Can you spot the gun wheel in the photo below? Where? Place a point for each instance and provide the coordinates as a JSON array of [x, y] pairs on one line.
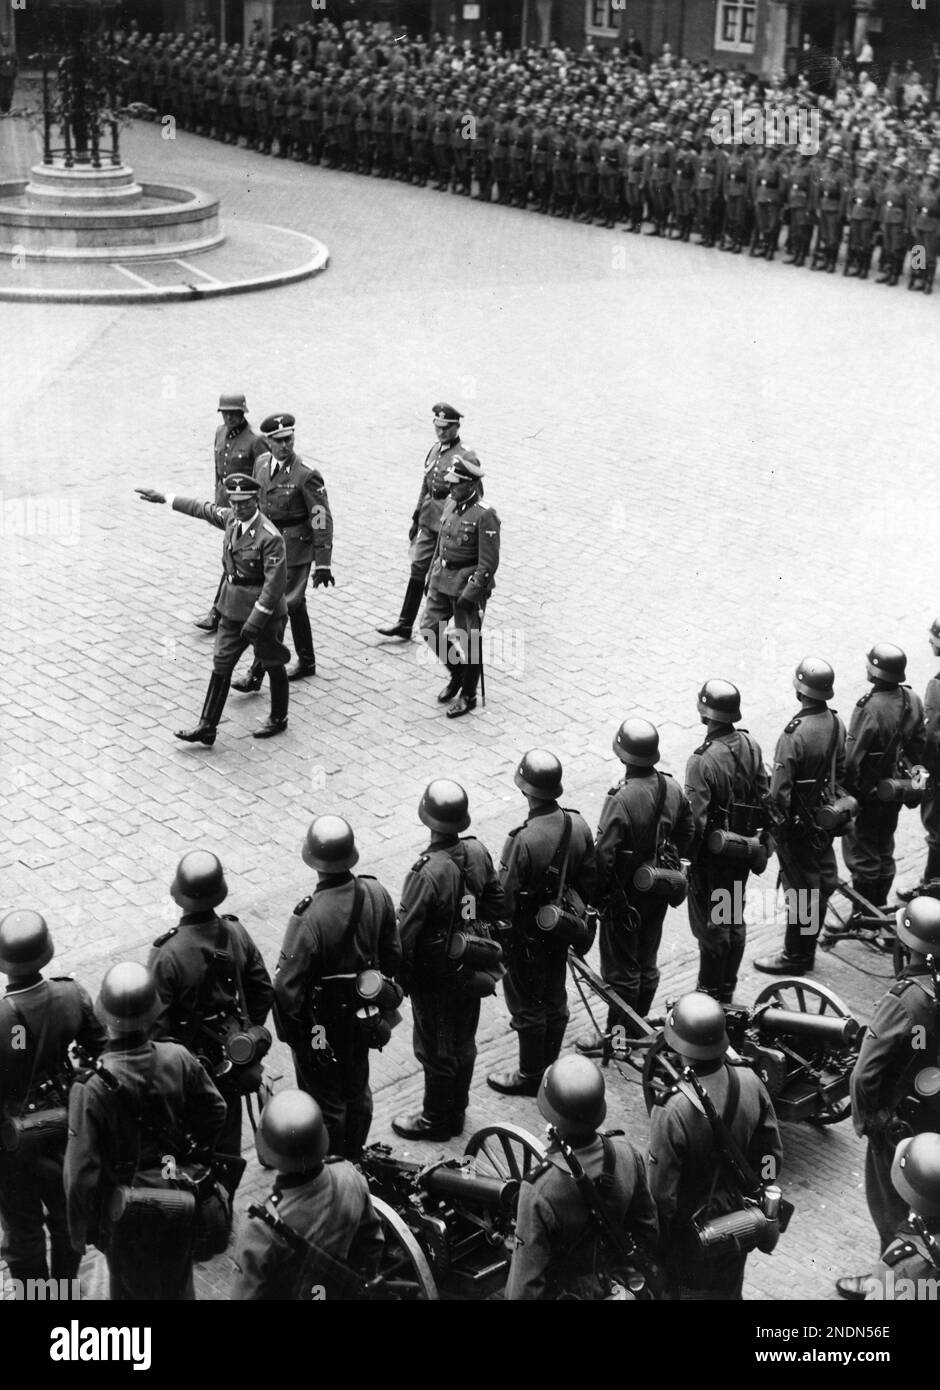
[[804, 997], [504, 1151], [660, 1065], [405, 1273]]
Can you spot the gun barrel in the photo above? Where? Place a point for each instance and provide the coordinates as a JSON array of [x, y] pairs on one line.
[[840, 1032], [458, 1185]]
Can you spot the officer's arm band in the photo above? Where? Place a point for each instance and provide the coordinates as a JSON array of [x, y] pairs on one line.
[[261, 609], [170, 498]]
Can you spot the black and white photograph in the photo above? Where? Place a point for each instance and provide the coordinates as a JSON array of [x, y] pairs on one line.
[[470, 720]]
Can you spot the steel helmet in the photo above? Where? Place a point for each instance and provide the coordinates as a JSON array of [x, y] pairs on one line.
[[539, 775], [814, 678], [292, 1134], [935, 629], [25, 943], [128, 1001], [636, 743], [199, 881], [330, 846], [444, 807], [235, 400], [886, 663], [721, 701], [918, 926], [571, 1095], [915, 1173], [695, 1028]]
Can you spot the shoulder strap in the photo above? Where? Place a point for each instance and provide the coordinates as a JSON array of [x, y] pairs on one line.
[[320, 1259], [561, 857], [884, 760], [735, 1160], [43, 1030]]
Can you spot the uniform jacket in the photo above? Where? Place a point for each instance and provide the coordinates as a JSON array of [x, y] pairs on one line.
[[318, 943], [907, 1257], [800, 756], [530, 850], [434, 492], [626, 823], [467, 553], [708, 171], [861, 199], [660, 158], [931, 755], [889, 1057], [874, 725], [71, 1018], [767, 181], [235, 452], [892, 204], [255, 559], [728, 766], [431, 896], [925, 208], [556, 1241], [160, 1082], [683, 1162], [332, 1209], [296, 501], [182, 958]]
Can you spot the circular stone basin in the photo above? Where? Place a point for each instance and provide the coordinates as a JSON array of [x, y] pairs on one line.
[[91, 214]]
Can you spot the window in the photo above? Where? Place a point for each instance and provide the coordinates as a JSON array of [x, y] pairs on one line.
[[603, 16], [736, 25]]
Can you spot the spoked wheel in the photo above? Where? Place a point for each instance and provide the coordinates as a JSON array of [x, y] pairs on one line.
[[804, 997], [808, 997], [504, 1151], [660, 1066], [405, 1273]]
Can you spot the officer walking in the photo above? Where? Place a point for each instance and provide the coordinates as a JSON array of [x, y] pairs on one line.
[[645, 818], [39, 1020], [885, 740], [252, 604], [236, 447], [460, 583], [452, 884], [213, 984], [559, 1251], [809, 769], [901, 1041], [144, 1113], [345, 928], [725, 783], [687, 1176], [426, 518], [293, 497], [914, 1254], [553, 849], [319, 1203]]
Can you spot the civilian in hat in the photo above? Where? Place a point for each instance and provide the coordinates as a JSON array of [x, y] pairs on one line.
[[236, 448], [426, 517], [461, 581], [252, 606]]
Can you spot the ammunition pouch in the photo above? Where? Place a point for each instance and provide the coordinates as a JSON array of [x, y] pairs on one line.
[[751, 849], [899, 791]]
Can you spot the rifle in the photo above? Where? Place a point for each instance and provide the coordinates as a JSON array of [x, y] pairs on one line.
[[640, 1272], [345, 1282], [920, 1226]]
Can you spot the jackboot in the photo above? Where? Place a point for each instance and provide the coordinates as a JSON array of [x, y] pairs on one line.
[[524, 1081], [554, 1037], [409, 611], [280, 695], [435, 1119], [212, 708], [252, 681], [467, 699], [210, 622]]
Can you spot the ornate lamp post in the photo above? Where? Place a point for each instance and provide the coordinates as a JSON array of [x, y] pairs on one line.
[[80, 96]]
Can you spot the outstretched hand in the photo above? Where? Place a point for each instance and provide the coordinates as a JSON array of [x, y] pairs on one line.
[[149, 494]]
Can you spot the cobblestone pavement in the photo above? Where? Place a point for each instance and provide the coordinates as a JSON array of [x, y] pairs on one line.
[[704, 466]]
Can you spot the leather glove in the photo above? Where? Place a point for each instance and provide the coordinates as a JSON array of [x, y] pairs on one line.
[[464, 602], [323, 575], [251, 629], [149, 494], [414, 529]]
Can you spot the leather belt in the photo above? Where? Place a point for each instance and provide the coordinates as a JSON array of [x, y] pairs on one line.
[[241, 583]]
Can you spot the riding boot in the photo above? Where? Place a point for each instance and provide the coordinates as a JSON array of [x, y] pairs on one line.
[[929, 279], [216, 695], [524, 1081], [409, 611], [865, 266], [252, 681], [280, 696], [554, 1037]]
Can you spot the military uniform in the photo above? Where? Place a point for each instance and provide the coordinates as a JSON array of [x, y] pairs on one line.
[[445, 1013], [255, 575], [828, 203], [658, 176], [888, 1060], [683, 190], [332, 1210], [236, 450], [707, 193], [556, 1236], [460, 583], [324, 949], [520, 157], [925, 233], [293, 497], [930, 806], [907, 1257], [534, 987], [686, 1174], [500, 139], [886, 734], [542, 134], [195, 985], [893, 202], [632, 169], [811, 752], [143, 1104], [609, 152], [562, 179], [800, 211], [432, 496], [49, 1015], [861, 201], [735, 178], [727, 768], [766, 188], [631, 921]]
